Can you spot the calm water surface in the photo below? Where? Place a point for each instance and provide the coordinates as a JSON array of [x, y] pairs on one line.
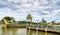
[[22, 31]]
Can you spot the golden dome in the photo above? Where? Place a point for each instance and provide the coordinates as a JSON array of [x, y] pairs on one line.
[[29, 16]]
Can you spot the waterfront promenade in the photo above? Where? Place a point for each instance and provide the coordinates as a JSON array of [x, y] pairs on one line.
[[52, 28]]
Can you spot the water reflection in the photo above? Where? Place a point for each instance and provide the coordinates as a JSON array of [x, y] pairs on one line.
[[11, 31], [46, 33], [32, 32], [22, 31]]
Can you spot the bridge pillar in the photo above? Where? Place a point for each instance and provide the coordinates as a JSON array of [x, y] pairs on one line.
[[46, 29], [37, 28]]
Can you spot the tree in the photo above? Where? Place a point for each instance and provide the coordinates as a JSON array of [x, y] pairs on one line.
[[43, 22], [12, 18], [58, 23], [53, 22], [8, 19]]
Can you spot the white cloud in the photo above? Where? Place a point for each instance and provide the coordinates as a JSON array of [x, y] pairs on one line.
[[38, 8]]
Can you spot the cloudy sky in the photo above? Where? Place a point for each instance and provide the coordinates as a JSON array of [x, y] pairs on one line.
[[47, 9]]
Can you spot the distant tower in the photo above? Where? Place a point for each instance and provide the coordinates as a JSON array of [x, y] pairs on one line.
[[29, 18]]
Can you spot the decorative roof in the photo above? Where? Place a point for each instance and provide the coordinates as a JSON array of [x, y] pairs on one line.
[[29, 16]]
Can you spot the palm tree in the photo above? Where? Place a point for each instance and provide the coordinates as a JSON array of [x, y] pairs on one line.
[[53, 22], [44, 23], [43, 20]]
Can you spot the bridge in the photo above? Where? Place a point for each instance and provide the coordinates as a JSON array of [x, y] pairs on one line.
[[52, 28]]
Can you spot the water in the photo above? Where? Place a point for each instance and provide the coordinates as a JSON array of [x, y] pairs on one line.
[[22, 31]]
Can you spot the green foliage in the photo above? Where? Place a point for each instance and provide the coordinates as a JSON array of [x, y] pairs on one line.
[[9, 19], [43, 20], [21, 22], [1, 22], [58, 23], [53, 22]]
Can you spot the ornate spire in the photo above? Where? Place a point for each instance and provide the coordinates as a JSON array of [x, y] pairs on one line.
[[29, 16]]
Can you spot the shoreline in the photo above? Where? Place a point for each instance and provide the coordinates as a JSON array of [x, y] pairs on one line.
[[51, 31]]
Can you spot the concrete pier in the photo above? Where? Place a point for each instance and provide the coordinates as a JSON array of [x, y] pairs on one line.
[[36, 28], [44, 29]]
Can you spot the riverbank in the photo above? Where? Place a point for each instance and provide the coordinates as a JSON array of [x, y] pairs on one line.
[[16, 26]]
